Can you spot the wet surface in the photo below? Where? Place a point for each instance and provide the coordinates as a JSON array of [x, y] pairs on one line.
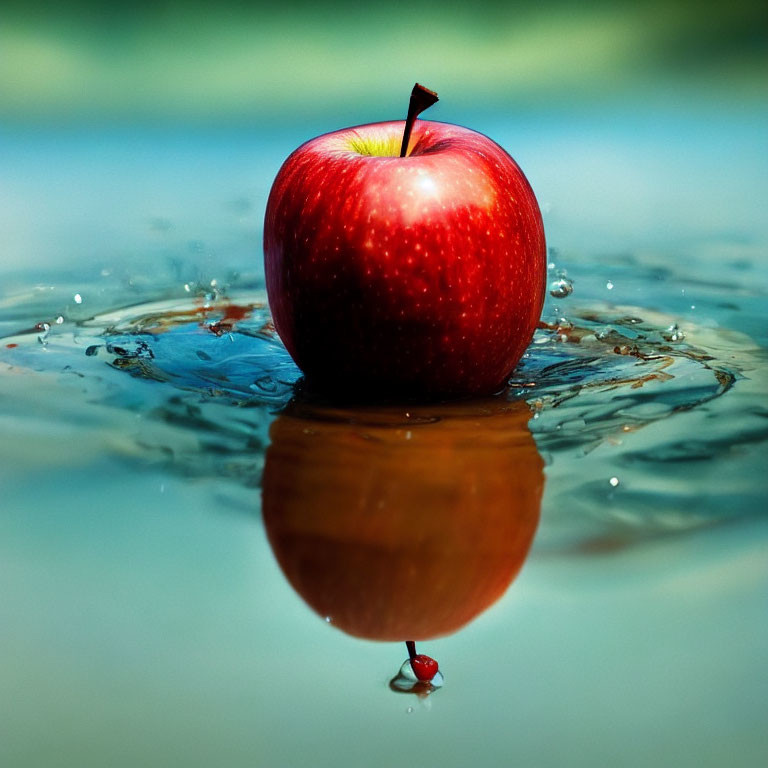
[[594, 381], [151, 605]]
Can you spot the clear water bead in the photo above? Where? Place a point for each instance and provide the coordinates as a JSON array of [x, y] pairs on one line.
[[561, 288], [406, 671]]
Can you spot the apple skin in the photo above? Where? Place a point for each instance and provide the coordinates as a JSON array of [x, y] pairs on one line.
[[417, 276]]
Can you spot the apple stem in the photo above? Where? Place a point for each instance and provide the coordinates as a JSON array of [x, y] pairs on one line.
[[411, 646], [421, 99]]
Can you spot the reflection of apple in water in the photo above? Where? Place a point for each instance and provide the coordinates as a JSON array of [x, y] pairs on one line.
[[402, 524]]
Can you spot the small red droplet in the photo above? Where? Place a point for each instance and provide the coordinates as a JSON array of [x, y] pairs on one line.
[[11, 346], [424, 667]]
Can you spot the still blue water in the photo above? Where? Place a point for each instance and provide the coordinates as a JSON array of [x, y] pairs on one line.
[[143, 616]]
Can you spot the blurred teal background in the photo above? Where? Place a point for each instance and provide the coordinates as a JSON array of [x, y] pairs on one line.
[[129, 127], [351, 61]]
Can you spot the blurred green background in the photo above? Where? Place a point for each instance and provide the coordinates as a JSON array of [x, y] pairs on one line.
[[237, 61]]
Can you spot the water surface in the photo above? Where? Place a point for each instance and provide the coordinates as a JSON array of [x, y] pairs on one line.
[[145, 617]]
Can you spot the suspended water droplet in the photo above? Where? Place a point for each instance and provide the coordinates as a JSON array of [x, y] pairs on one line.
[[561, 288], [78, 298], [609, 285], [614, 481]]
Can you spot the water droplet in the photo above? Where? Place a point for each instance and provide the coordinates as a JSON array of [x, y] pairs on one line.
[[561, 288], [609, 285], [328, 619], [43, 337], [59, 320], [78, 299], [406, 671], [614, 481], [673, 333], [409, 710]]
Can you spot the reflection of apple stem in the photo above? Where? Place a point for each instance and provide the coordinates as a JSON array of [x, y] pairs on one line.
[[421, 99]]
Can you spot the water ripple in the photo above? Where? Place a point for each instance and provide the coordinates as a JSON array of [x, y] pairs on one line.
[[627, 405]]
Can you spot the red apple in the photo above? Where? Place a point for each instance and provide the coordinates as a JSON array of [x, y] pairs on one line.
[[420, 275]]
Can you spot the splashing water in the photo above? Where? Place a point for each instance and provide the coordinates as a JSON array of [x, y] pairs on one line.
[[624, 401]]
